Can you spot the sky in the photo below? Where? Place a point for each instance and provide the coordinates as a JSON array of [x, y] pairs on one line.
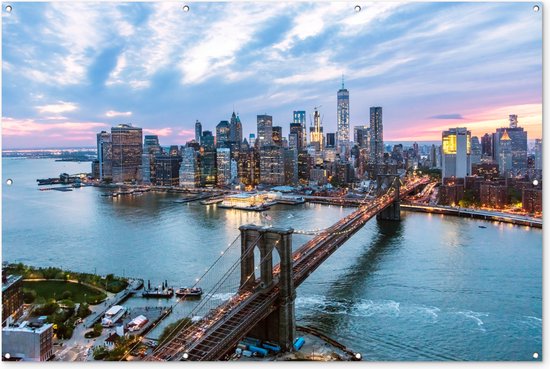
[[71, 70]]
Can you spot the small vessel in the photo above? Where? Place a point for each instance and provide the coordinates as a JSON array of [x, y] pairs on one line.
[[162, 291], [482, 227], [189, 292]]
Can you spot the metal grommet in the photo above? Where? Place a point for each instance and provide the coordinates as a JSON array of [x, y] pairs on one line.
[[9, 8], [357, 8], [9, 181], [185, 8]]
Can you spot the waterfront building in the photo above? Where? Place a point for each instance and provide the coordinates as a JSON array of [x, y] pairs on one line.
[[376, 135], [223, 160], [222, 134], [318, 175], [456, 153], [167, 168], [208, 160], [189, 169], [29, 341], [493, 195], [198, 131], [531, 200], [299, 117], [451, 191], [433, 157], [316, 137], [277, 135], [342, 115], [12, 297], [127, 151], [272, 165], [151, 148], [104, 156], [265, 130]]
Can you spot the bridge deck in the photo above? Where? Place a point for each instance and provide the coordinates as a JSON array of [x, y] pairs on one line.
[[222, 329]]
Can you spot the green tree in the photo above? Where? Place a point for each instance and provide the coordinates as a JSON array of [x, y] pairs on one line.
[[98, 328], [29, 296], [170, 328]]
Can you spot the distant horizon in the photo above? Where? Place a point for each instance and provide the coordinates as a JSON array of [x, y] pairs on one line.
[[71, 70]]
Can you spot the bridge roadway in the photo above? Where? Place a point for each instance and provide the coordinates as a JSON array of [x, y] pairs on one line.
[[218, 332]]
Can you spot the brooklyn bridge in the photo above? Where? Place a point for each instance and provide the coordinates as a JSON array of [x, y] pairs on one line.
[[262, 304]]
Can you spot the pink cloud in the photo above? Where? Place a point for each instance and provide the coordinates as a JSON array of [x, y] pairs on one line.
[[28, 127], [162, 132]]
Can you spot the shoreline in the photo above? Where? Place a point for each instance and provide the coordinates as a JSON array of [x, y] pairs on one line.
[[472, 213]]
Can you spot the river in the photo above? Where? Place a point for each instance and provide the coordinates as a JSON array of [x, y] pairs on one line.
[[430, 287]]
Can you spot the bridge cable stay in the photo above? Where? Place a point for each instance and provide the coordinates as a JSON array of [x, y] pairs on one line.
[[210, 294], [196, 284], [239, 286]]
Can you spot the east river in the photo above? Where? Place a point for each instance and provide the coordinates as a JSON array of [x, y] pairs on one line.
[[430, 287]]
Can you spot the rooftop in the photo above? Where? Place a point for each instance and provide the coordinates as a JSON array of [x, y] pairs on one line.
[[10, 280], [24, 327]]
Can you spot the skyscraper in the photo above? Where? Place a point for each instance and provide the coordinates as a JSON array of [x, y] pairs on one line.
[[487, 145], [189, 169], [475, 151], [538, 154], [361, 136], [342, 115], [316, 137], [151, 148], [222, 134], [300, 118], [223, 164], [505, 153], [104, 155], [127, 150], [198, 131], [297, 129], [376, 135], [265, 130], [456, 153], [331, 140], [277, 135], [235, 130], [518, 137], [208, 160], [272, 165]]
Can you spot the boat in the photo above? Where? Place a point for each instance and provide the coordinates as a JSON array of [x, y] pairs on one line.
[[482, 227], [158, 293], [189, 292]]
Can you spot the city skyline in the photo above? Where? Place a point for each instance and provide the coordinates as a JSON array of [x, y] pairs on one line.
[[417, 69]]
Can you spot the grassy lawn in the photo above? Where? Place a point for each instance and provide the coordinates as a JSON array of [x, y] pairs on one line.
[[55, 289]]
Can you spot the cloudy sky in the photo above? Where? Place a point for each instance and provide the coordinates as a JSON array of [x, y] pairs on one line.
[[73, 69]]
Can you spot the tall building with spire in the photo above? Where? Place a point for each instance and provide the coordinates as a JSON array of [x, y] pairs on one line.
[[505, 153], [342, 114], [316, 137], [235, 129]]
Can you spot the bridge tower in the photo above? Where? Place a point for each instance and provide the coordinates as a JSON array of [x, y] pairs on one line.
[[280, 325], [392, 212]]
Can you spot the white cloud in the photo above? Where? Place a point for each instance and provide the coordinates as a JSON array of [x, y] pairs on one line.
[[59, 107], [113, 113]]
